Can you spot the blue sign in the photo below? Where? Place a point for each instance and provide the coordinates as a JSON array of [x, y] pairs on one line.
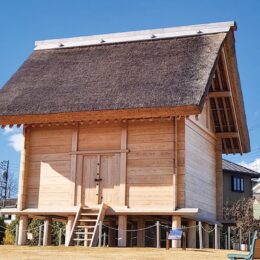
[[175, 234]]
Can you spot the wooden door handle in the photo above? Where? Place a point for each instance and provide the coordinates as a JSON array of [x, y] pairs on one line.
[[98, 179]]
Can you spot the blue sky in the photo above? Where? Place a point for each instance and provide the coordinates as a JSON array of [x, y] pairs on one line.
[[23, 22]]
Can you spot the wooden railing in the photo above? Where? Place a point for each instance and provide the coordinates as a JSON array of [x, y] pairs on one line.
[[68, 242]]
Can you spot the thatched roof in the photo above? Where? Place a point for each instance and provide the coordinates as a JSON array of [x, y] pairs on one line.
[[144, 74]]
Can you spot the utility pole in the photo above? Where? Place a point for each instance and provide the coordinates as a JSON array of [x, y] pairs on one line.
[[4, 167]]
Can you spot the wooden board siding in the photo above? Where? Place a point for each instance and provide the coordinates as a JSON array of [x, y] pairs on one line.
[[200, 179], [49, 168], [99, 137], [150, 164]]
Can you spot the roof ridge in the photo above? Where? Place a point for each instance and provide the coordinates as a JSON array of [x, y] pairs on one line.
[[162, 33], [241, 166]]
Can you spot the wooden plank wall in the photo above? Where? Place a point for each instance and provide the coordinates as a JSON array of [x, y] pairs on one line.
[[200, 184], [150, 164], [49, 170]]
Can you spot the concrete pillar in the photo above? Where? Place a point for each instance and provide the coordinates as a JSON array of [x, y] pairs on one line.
[[192, 234], [69, 225], [176, 223], [140, 233], [46, 232], [23, 225], [122, 225], [206, 235]]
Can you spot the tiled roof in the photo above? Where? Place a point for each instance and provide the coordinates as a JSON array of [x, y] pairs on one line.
[[231, 166]]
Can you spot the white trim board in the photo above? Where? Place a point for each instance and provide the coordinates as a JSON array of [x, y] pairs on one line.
[[162, 33]]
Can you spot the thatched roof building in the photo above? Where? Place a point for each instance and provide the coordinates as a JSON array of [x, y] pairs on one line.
[[164, 72]]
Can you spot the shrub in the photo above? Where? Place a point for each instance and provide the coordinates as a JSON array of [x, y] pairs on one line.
[[10, 231]]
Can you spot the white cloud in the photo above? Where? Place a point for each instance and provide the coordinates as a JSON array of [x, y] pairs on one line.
[[16, 142], [255, 165], [8, 130]]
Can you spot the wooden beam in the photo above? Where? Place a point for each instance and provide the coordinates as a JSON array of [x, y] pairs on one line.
[[217, 94], [23, 169], [100, 152], [122, 114], [122, 226], [74, 148], [227, 135], [123, 164], [226, 71], [219, 180], [175, 168]]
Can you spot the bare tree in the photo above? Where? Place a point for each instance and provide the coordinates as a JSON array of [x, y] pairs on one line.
[[241, 212]]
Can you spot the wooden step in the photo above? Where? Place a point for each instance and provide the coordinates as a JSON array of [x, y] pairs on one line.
[[89, 214], [83, 233], [82, 239], [87, 220], [85, 226]]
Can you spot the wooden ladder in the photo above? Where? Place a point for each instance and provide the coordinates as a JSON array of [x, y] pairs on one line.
[[85, 227]]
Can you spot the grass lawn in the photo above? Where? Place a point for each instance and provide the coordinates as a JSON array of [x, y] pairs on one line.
[[53, 253]]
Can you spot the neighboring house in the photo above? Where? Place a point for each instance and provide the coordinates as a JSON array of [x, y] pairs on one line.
[[128, 129], [7, 204], [237, 182]]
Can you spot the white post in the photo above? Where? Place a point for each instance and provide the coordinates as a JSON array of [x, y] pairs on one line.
[[226, 244], [40, 235], [46, 232], [60, 237], [200, 235], [99, 234], [249, 240], [16, 234], [229, 238], [216, 236], [240, 238], [104, 239], [158, 235]]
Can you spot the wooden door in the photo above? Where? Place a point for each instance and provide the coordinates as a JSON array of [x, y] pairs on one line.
[[110, 175], [101, 179], [89, 185]]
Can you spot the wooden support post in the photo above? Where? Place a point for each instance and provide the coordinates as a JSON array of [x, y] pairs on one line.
[[68, 229], [140, 233], [229, 247], [192, 234], [47, 232], [86, 237], [206, 235], [23, 225], [200, 235], [16, 234], [176, 223], [122, 226], [100, 234], [158, 235], [216, 236], [40, 236]]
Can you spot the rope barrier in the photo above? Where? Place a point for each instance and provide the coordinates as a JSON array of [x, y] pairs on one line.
[[128, 230]]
